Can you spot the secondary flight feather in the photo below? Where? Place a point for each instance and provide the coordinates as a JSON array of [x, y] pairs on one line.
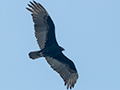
[[45, 35]]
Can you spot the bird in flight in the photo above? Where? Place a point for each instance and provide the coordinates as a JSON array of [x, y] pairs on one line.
[[45, 35]]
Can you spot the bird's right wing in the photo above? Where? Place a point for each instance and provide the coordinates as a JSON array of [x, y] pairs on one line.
[[65, 67], [44, 26]]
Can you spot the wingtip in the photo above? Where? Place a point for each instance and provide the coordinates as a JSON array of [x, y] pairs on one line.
[[30, 2], [35, 2], [71, 82], [29, 9]]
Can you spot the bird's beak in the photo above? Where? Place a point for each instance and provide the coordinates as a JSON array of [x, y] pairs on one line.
[[63, 49]]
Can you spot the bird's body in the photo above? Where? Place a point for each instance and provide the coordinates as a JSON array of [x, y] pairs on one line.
[[45, 35], [49, 51]]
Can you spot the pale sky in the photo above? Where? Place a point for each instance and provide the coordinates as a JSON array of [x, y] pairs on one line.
[[89, 30]]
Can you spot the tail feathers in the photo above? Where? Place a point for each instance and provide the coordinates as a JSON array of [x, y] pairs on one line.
[[35, 54]]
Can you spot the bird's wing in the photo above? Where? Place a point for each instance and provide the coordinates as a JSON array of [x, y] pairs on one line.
[[65, 67], [43, 24]]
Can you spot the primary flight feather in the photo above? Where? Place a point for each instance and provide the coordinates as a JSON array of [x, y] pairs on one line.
[[45, 35]]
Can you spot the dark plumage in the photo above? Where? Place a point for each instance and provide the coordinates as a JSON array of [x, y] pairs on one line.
[[45, 35]]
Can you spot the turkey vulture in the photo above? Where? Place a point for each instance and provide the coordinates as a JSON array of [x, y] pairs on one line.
[[45, 35]]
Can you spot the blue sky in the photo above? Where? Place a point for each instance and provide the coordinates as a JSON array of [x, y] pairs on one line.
[[89, 30]]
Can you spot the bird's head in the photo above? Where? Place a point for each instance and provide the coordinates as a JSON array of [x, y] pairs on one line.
[[62, 49]]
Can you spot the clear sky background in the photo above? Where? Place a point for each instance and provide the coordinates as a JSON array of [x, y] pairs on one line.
[[89, 30]]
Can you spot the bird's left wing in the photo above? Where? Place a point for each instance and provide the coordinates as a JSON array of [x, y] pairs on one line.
[[43, 24], [65, 67]]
